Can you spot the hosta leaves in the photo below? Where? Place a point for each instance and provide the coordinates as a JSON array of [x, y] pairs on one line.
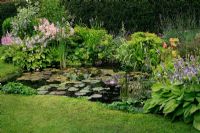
[[178, 100], [196, 122], [193, 109], [157, 87], [186, 104], [198, 99], [170, 106], [189, 97]]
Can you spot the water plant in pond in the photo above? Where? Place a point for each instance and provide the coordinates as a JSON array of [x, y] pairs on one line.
[[141, 53]]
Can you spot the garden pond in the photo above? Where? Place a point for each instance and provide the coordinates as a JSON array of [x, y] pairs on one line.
[[96, 84]]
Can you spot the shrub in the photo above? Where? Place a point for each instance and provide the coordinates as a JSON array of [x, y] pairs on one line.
[[141, 53], [6, 26], [28, 58], [7, 9], [178, 94], [89, 46], [53, 10], [18, 88], [23, 24]]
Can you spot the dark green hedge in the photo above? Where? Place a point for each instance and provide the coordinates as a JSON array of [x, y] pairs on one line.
[[137, 15], [7, 9]]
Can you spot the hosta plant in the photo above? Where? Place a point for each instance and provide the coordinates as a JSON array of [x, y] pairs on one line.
[[178, 94]]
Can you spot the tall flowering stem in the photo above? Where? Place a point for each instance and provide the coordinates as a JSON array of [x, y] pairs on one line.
[[183, 70]]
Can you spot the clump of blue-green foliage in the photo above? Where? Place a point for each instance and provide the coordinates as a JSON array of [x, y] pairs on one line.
[[17, 88]]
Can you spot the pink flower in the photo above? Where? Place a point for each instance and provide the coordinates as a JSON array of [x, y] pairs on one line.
[[49, 30], [7, 40]]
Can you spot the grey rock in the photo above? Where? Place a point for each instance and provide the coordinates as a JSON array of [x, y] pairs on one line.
[[98, 89], [85, 91], [95, 96], [80, 94], [80, 85], [42, 92], [43, 88], [57, 93], [73, 89]]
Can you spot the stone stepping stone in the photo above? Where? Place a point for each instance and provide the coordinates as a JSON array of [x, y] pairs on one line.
[[87, 87], [73, 89], [57, 93], [85, 91], [93, 83], [43, 88], [80, 94], [98, 89], [62, 87], [79, 85], [42, 92], [95, 96]]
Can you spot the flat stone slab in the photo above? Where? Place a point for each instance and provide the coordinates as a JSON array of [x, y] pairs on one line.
[[98, 89], [81, 85], [43, 88], [80, 94], [42, 92], [73, 89], [57, 93], [95, 96], [85, 91]]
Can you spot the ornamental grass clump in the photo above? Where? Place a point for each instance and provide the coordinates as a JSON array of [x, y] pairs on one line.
[[178, 94]]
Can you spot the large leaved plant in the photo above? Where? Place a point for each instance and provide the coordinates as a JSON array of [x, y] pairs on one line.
[[178, 94]]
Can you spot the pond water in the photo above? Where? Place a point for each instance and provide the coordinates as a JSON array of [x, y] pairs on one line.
[[96, 84]]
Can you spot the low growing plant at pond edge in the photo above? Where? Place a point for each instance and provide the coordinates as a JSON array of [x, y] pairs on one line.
[[178, 94], [17, 88], [129, 105]]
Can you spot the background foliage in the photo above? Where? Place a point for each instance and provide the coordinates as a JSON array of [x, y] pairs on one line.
[[142, 15]]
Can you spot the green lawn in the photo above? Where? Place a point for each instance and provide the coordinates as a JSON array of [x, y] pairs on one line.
[[51, 114], [8, 71]]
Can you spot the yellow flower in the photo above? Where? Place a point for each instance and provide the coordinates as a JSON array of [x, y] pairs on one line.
[[174, 54]]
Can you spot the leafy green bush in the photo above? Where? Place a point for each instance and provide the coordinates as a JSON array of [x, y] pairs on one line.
[[23, 24], [53, 10], [141, 53], [89, 46], [6, 26], [176, 100], [28, 59], [178, 94], [18, 88], [7, 9]]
